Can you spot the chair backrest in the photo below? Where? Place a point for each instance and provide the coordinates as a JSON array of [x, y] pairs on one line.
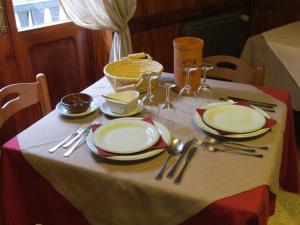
[[230, 68], [16, 97]]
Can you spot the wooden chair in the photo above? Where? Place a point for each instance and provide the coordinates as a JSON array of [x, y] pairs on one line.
[[230, 68], [16, 97]]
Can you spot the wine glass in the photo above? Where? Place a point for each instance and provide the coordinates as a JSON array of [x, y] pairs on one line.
[[187, 88], [186, 94], [204, 91], [167, 109], [148, 101]]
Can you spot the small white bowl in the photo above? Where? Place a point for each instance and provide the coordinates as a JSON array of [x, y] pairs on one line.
[[122, 102]]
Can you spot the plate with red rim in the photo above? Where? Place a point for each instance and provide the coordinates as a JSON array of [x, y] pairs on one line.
[[234, 118], [125, 136], [163, 131], [201, 123]]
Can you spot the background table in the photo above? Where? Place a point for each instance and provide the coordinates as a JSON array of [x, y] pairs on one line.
[[279, 51], [28, 198]]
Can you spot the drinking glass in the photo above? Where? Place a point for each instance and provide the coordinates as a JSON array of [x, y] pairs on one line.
[[187, 94], [204, 91], [148, 101], [187, 88], [167, 110]]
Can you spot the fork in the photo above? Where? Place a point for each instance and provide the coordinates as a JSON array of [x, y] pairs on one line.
[[211, 148], [228, 143], [67, 139], [54, 148], [77, 134], [76, 144]]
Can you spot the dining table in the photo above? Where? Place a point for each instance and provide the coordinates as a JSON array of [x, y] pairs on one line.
[[218, 188], [278, 50]]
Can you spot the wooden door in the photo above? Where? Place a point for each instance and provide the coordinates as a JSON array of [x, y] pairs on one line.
[[64, 52]]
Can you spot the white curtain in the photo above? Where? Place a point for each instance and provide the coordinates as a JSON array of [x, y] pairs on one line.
[[105, 14]]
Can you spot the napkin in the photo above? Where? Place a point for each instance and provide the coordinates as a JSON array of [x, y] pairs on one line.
[[269, 121], [159, 144]]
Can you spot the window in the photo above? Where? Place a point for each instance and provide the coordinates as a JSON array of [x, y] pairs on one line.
[[36, 13]]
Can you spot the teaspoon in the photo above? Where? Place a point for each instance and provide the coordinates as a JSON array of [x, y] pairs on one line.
[[175, 147]]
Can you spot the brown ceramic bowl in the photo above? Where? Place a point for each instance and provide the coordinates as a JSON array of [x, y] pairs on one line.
[[76, 102]]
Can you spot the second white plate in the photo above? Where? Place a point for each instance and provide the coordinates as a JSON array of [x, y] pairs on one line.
[[125, 136], [234, 118], [199, 121]]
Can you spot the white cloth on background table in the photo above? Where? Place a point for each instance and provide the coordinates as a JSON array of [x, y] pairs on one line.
[[278, 50]]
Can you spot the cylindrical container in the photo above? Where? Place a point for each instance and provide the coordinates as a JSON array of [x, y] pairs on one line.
[[187, 53]]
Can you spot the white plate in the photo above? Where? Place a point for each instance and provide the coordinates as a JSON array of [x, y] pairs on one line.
[[234, 118], [63, 111], [164, 132], [105, 109], [199, 121], [125, 136]]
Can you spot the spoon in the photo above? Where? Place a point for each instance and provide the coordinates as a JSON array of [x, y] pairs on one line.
[[214, 149], [120, 100], [175, 147], [215, 141]]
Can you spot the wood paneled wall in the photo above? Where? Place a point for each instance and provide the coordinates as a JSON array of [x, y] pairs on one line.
[[156, 23], [268, 14]]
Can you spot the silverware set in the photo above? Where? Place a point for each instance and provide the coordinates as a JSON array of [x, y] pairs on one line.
[[214, 145], [234, 144], [268, 107], [77, 137], [210, 144], [183, 150]]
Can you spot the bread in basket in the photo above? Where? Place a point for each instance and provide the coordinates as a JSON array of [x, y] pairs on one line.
[[127, 73]]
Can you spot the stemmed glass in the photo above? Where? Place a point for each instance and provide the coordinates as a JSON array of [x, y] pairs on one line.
[[167, 110], [148, 101], [187, 88], [186, 94], [204, 91]]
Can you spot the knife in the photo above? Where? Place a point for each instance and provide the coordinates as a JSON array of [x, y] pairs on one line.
[[187, 161], [186, 147], [264, 104]]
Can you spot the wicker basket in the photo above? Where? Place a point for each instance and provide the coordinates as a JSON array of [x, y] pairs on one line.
[[127, 73]]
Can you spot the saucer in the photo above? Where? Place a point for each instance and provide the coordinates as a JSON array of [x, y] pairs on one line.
[[63, 111], [105, 109]]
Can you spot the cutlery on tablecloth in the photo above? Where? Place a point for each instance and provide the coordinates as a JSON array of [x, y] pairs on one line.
[[76, 144], [54, 148], [189, 157], [175, 147], [232, 147], [265, 108], [212, 148], [78, 133], [186, 147], [229, 144], [264, 104]]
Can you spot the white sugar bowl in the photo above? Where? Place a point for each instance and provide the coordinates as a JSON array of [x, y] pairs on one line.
[[122, 102]]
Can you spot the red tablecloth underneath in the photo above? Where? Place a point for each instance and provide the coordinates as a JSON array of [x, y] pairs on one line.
[[27, 198]]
